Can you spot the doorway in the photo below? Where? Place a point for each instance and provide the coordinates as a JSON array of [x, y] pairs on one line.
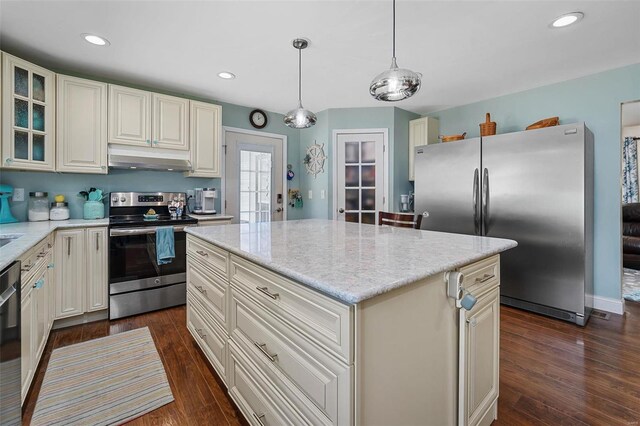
[[630, 136], [360, 182], [254, 176]]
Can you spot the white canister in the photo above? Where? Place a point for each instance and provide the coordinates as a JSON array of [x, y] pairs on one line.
[[38, 206], [59, 211]]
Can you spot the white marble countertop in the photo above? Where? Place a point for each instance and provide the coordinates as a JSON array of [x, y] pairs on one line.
[[205, 217], [348, 261], [31, 233]]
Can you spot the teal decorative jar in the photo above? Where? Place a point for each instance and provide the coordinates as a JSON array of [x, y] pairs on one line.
[[93, 210]]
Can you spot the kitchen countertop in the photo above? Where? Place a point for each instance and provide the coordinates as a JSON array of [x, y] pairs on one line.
[[32, 233], [205, 217], [350, 262]]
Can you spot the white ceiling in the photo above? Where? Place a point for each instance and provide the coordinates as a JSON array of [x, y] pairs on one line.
[[467, 50]]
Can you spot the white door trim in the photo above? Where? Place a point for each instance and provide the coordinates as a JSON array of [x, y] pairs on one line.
[[385, 161], [283, 138]]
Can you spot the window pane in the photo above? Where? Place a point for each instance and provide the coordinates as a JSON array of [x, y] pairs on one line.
[[38, 87], [369, 218], [245, 160], [368, 175], [245, 181], [368, 152], [21, 118], [264, 182], [38, 147], [368, 199], [351, 217], [38, 117], [244, 217], [351, 199], [351, 152], [21, 78], [266, 217], [21, 145], [351, 176], [244, 201], [265, 198], [265, 162]]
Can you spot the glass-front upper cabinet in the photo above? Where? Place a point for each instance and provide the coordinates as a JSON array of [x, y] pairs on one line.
[[28, 115]]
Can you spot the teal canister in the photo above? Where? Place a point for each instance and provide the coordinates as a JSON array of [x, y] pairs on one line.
[[93, 210]]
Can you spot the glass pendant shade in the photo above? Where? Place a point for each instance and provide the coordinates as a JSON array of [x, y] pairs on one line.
[[300, 118], [395, 84]]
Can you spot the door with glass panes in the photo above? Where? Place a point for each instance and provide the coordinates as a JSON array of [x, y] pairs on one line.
[[28, 119], [360, 180]]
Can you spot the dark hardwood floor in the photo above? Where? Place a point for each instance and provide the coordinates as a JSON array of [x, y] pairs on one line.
[[551, 372]]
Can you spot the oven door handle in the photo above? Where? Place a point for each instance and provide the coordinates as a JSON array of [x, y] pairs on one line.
[[117, 232]]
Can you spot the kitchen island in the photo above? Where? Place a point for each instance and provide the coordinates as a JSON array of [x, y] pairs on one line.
[[327, 322]]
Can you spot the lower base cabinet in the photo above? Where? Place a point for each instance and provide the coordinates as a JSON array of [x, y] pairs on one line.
[[292, 356]]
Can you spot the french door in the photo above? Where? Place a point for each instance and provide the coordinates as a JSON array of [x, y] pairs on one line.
[[360, 183], [253, 178]]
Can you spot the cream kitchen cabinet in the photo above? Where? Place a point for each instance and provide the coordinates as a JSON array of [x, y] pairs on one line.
[[81, 142], [422, 131], [26, 339], [96, 248], [205, 139], [70, 272], [28, 115], [141, 118], [81, 265]]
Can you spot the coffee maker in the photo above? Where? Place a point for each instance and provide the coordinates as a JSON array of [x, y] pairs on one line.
[[205, 200]]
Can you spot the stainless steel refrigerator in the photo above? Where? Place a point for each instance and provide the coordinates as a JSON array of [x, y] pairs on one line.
[[534, 187]]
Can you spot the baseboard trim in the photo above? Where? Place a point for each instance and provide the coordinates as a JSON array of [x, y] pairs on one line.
[[81, 319], [608, 304]]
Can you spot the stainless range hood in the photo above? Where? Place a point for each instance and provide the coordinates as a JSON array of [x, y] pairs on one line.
[[122, 157]]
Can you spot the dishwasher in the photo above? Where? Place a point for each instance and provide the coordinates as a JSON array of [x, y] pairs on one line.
[[10, 380]]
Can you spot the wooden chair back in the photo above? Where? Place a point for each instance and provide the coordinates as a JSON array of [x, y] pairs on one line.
[[401, 220]]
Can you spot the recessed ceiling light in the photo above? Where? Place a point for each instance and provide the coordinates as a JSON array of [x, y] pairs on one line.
[[97, 40], [567, 19], [226, 75]]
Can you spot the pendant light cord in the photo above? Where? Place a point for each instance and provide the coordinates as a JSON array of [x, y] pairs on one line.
[[394, 29], [300, 77]]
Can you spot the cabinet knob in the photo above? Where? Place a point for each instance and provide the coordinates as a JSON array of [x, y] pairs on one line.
[[9, 160]]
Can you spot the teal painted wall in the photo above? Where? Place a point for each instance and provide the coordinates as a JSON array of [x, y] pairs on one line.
[[136, 180], [395, 120], [594, 99]]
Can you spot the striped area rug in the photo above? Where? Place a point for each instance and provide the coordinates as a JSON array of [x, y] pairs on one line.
[[106, 381]]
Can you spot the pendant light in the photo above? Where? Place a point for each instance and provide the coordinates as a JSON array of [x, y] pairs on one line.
[[395, 84], [300, 118]]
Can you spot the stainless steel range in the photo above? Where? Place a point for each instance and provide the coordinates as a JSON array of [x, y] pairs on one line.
[[137, 283]]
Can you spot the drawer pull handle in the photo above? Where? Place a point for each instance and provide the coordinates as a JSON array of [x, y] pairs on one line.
[[485, 278], [259, 418], [39, 283], [27, 268], [202, 253], [41, 255], [263, 348], [200, 333], [265, 290], [201, 290]]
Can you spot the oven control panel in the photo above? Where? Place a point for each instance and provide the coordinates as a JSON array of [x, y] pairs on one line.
[[133, 199]]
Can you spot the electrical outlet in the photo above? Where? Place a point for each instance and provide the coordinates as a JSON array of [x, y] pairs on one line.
[[322, 194], [18, 194], [310, 194], [190, 193]]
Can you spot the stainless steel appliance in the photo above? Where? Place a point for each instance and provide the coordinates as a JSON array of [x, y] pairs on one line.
[[205, 201], [535, 187], [10, 360], [137, 283]]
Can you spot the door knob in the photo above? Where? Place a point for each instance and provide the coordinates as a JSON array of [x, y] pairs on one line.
[[340, 210], [425, 214], [279, 210]]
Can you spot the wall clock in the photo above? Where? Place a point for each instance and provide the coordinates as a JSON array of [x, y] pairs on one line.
[[258, 118], [314, 160]]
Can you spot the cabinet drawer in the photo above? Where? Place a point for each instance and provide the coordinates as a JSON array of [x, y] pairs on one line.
[[318, 317], [257, 400], [210, 290], [210, 255], [481, 276], [211, 338], [35, 258], [317, 384]]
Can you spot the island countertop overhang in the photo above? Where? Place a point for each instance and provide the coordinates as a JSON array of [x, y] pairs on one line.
[[350, 262]]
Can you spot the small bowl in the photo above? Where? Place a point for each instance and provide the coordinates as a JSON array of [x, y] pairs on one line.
[[150, 216]]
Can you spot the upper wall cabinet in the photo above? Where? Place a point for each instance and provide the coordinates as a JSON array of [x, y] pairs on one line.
[[205, 135], [81, 142], [129, 116], [28, 115], [141, 118], [422, 131]]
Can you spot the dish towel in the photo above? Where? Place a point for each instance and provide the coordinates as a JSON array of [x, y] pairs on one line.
[[165, 247]]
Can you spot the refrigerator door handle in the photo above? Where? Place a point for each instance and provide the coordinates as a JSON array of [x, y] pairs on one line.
[[485, 201], [476, 207]]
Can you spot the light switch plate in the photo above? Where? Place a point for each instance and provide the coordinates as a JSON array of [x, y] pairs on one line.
[[310, 194], [322, 194], [18, 194]]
